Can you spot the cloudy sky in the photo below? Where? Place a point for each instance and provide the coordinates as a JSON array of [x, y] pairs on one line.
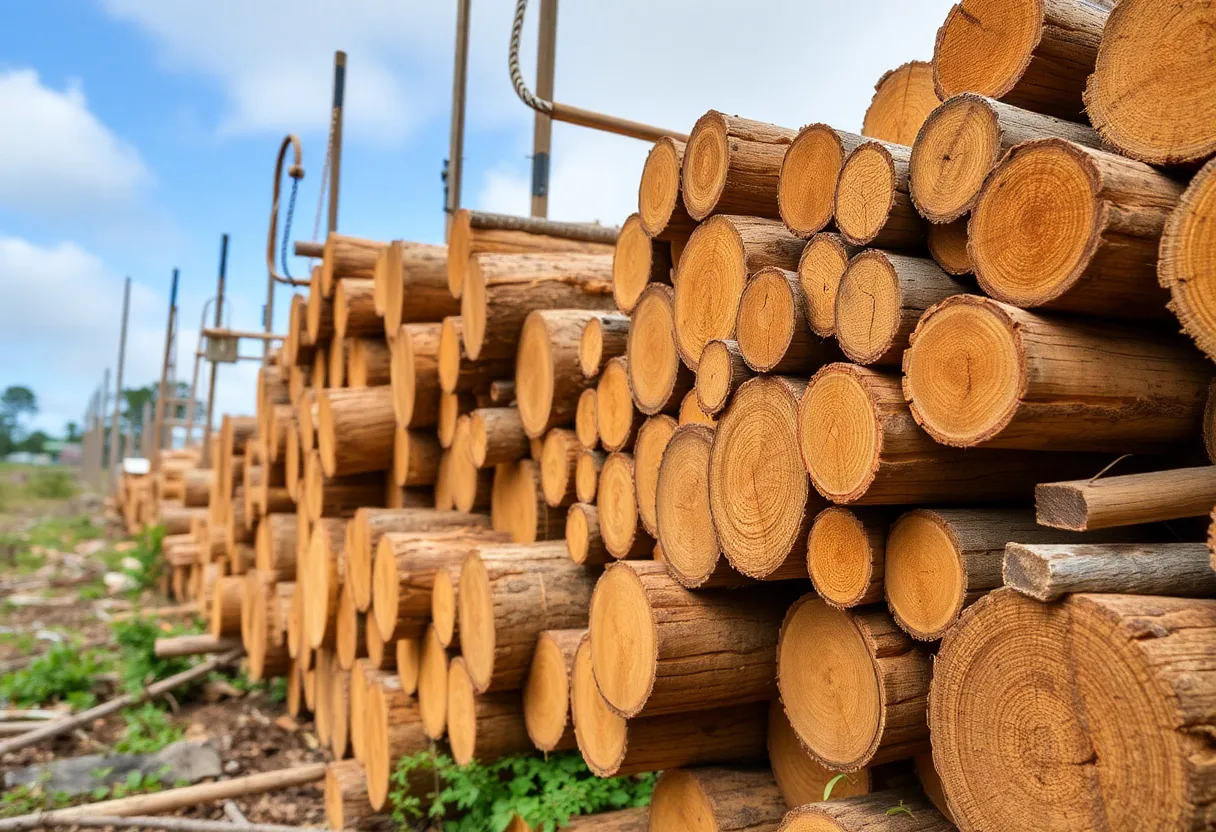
[[136, 131]]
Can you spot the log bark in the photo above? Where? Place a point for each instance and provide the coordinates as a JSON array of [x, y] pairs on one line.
[[822, 264], [604, 337], [479, 232], [496, 436], [484, 727], [517, 504], [660, 201], [1049, 384], [872, 206], [800, 777], [617, 420], [1185, 267], [416, 286], [508, 595], [546, 693], [771, 327], [345, 256], [903, 99], [647, 658], [199, 645], [1048, 572], [861, 446], [339, 496], [964, 139], [657, 378], [731, 166], [1034, 56], [617, 506], [877, 812], [854, 686], [731, 799], [880, 298], [1150, 94], [638, 261], [759, 492], [355, 430], [846, 553], [548, 380], [502, 289], [719, 373], [720, 257], [414, 375], [807, 190], [1098, 255], [1127, 500], [197, 487], [1115, 678]]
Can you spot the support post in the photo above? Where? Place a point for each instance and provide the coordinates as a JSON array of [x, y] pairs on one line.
[[460, 73], [219, 312], [542, 130], [335, 162], [158, 422], [115, 430]]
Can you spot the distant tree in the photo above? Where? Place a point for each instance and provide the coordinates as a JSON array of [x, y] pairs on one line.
[[35, 443], [71, 432], [16, 402]]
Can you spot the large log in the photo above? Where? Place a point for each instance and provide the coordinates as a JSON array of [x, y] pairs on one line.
[[1048, 572], [660, 203], [800, 777], [894, 810], [355, 309], [1033, 55], [721, 255], [355, 430], [414, 375], [616, 502], [416, 286], [546, 694], [759, 492], [880, 298], [637, 262], [657, 378], [853, 684], [484, 727], [771, 327], [1104, 503], [479, 232], [1086, 677], [1186, 267], [903, 99], [731, 165], [612, 746], [508, 595], [501, 289], [1150, 94], [658, 648], [963, 140], [729, 799], [617, 421], [1098, 254], [980, 372], [345, 256], [872, 205], [719, 373], [548, 379], [808, 177]]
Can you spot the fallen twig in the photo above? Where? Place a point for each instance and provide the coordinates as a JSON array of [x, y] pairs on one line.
[[234, 813], [37, 821]]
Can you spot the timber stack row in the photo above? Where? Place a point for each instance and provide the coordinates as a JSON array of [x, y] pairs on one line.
[[799, 473]]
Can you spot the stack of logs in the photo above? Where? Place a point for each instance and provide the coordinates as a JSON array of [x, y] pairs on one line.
[[795, 485]]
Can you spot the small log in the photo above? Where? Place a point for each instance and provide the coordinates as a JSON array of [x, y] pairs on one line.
[[345, 256], [800, 777], [880, 298], [517, 504], [502, 392], [1048, 572], [339, 690], [1099, 255], [964, 139], [368, 362], [617, 505], [323, 574], [226, 607], [433, 684], [617, 420], [394, 730], [648, 452], [872, 206], [508, 595], [613, 746], [822, 264], [760, 524], [1149, 94], [604, 337], [731, 166], [42, 819], [720, 257], [546, 693], [559, 456], [584, 543], [276, 545], [502, 289], [198, 645], [586, 422], [362, 676], [548, 380], [854, 685], [415, 458], [1185, 268], [657, 378], [460, 374], [731, 799], [691, 413], [346, 803], [771, 326], [355, 430], [1071, 666], [479, 232], [648, 659], [408, 657], [451, 407], [354, 310], [719, 373], [587, 475], [484, 727], [637, 262], [948, 247], [339, 496], [415, 286], [496, 435], [351, 633], [980, 372], [471, 486], [682, 512], [903, 99], [845, 555], [660, 202], [319, 317], [335, 363], [1127, 500], [894, 810], [414, 375], [808, 177]]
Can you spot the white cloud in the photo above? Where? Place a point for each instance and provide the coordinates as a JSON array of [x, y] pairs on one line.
[[56, 157]]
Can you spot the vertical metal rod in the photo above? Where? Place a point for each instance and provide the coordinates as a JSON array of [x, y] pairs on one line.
[[102, 464], [335, 162], [115, 431], [145, 431], [164, 373], [542, 130], [460, 75], [219, 317]]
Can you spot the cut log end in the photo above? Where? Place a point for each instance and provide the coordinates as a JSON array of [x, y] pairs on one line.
[[546, 693], [433, 685], [408, 663], [444, 606], [653, 355], [460, 248], [600, 732], [719, 372], [769, 313], [617, 505], [865, 193], [659, 200], [948, 247], [451, 351], [841, 557], [926, 579], [869, 302], [648, 452], [616, 418], [807, 187], [957, 147], [903, 99], [586, 421], [476, 615], [800, 777], [839, 433], [623, 640], [684, 520], [710, 281], [1187, 267], [1004, 34], [462, 713], [636, 261], [706, 164], [820, 268]]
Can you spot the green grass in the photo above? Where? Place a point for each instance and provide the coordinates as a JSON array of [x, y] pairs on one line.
[[64, 673], [24, 484], [147, 731]]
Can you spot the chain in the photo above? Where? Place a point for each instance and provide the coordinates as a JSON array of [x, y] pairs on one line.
[[291, 210], [329, 150], [517, 78]]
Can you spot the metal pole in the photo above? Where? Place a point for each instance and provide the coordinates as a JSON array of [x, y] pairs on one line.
[[335, 162], [115, 431], [542, 130], [219, 306], [460, 75], [145, 431], [102, 464], [164, 372]]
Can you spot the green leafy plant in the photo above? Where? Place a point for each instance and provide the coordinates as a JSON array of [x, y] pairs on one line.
[[24, 800], [63, 673], [139, 664], [545, 793], [831, 784], [901, 809], [148, 730]]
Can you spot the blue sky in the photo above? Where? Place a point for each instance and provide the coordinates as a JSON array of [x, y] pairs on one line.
[[136, 131]]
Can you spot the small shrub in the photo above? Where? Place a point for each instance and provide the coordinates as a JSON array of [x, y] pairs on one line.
[[148, 730], [64, 673], [139, 664], [50, 484]]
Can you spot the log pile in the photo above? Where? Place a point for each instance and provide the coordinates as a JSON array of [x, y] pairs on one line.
[[757, 488]]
